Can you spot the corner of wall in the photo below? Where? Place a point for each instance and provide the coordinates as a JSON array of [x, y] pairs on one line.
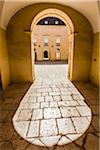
[[4, 63]]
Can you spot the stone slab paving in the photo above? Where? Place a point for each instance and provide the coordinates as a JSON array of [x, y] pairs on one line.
[[52, 112]]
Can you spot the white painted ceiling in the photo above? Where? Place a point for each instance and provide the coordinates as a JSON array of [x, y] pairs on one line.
[[89, 8]]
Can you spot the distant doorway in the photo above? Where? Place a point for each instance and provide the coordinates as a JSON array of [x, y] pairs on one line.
[[58, 54], [35, 56], [46, 55]]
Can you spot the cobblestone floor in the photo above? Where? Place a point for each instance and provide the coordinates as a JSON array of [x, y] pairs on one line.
[[49, 109]]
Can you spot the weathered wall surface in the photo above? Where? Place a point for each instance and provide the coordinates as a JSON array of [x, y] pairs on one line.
[[4, 64], [19, 43], [95, 68]]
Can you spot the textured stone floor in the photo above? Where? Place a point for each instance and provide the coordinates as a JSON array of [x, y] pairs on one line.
[[9, 101], [52, 112]]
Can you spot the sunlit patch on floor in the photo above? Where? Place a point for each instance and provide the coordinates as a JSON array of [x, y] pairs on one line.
[[52, 112]]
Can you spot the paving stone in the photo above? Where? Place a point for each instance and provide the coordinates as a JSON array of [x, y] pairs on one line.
[[37, 141], [24, 114], [37, 114], [53, 104], [57, 98], [69, 111], [35, 94], [84, 110], [29, 105], [48, 128], [44, 104], [76, 97], [50, 141], [21, 127], [33, 129], [40, 99], [82, 103], [67, 103], [76, 92], [48, 98], [67, 93], [44, 90], [51, 113], [65, 98], [24, 105], [32, 99], [34, 105], [54, 93], [55, 89], [63, 89], [80, 123], [64, 140], [45, 94], [65, 126]]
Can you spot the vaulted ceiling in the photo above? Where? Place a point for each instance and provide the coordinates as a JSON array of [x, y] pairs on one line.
[[89, 8]]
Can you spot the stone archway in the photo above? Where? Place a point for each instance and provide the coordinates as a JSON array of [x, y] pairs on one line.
[[69, 24], [19, 43], [20, 123]]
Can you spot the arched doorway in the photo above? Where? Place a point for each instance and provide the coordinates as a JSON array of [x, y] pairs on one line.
[[66, 19], [58, 54], [45, 55], [35, 56], [43, 87]]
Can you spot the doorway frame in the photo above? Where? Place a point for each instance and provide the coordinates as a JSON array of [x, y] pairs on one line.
[[53, 12]]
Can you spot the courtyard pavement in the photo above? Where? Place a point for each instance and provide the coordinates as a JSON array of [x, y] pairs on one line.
[[12, 98], [53, 112]]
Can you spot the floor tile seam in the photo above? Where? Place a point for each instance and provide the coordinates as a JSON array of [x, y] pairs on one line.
[[73, 125], [52, 118], [39, 127], [57, 127], [81, 114]]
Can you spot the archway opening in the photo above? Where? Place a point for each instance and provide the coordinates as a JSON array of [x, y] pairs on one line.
[[50, 20], [45, 55]]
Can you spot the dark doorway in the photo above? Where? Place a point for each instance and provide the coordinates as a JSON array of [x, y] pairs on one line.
[[45, 54], [35, 56]]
